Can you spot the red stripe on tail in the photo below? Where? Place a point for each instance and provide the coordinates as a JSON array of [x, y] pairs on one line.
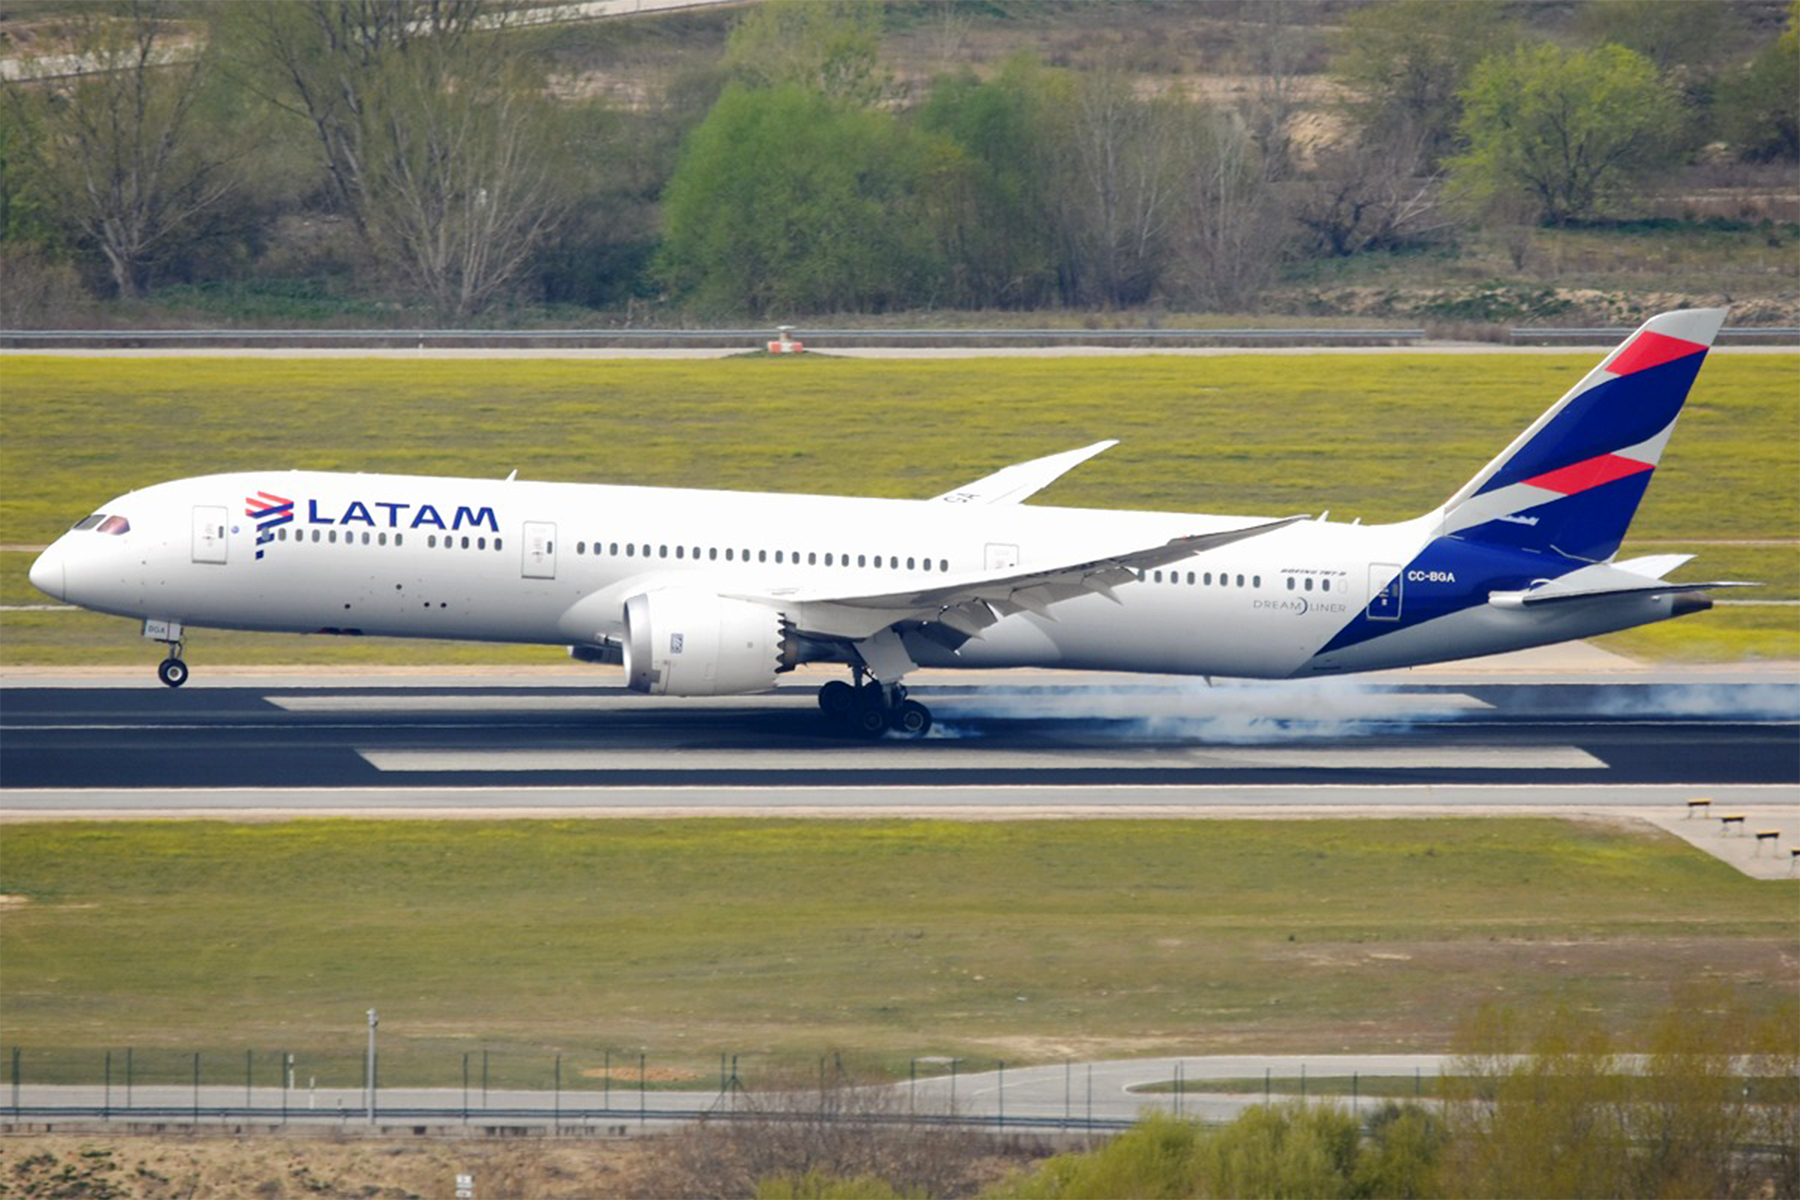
[[1579, 477], [1652, 350]]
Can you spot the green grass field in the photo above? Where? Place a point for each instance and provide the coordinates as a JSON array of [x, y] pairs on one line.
[[783, 940], [1376, 436]]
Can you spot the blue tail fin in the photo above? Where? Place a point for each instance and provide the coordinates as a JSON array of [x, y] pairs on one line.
[[1571, 483]]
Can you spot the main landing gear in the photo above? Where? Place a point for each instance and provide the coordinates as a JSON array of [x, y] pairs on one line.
[[871, 708]]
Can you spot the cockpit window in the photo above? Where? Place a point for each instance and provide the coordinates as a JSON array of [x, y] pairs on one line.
[[88, 522], [115, 525]]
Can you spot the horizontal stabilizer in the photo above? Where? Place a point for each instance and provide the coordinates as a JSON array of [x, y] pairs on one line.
[[1556, 593]]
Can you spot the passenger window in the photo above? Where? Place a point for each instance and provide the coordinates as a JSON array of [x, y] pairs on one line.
[[1190, 579], [465, 544], [497, 545], [315, 535], [909, 564], [1308, 584], [728, 553], [1256, 581], [812, 558], [943, 564], [1324, 585], [828, 558], [680, 552], [332, 537], [400, 540], [613, 549], [281, 534], [861, 561], [365, 539], [481, 543], [630, 550], [1159, 577], [662, 552], [712, 554], [778, 556], [581, 547], [1290, 583], [1207, 579], [381, 539], [88, 522], [1240, 581]]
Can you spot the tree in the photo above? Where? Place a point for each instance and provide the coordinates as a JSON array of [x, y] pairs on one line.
[[1758, 109], [992, 205], [831, 47], [786, 202], [1229, 237], [429, 126], [1405, 64], [1119, 190], [1569, 129], [117, 156], [1671, 36]]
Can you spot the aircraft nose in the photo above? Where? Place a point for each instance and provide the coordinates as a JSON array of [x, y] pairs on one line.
[[47, 573]]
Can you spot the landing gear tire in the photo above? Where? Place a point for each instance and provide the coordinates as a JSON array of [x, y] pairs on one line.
[[836, 699], [172, 671], [870, 721], [910, 718]]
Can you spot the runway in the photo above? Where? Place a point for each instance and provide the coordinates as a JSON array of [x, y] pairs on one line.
[[374, 745]]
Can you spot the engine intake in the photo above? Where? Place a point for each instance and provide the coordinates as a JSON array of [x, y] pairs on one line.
[[689, 643]]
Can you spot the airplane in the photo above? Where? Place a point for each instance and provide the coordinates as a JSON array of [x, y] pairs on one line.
[[712, 593]]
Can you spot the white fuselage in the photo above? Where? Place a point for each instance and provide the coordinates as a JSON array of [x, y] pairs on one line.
[[512, 561]]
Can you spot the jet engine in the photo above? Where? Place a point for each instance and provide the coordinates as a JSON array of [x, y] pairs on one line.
[[681, 642]]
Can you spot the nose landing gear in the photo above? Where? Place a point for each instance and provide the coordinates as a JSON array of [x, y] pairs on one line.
[[172, 670], [870, 708]]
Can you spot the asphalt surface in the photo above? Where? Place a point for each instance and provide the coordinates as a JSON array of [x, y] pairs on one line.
[[84, 747], [1061, 1094]]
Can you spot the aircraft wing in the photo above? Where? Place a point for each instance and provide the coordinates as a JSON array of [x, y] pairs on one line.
[[1010, 485], [971, 602]]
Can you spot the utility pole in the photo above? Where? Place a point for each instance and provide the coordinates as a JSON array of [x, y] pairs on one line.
[[373, 1022]]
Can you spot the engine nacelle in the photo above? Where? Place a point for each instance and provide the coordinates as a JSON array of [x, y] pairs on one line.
[[691, 643]]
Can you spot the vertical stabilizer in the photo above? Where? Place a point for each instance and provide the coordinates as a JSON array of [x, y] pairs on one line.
[[1571, 483]]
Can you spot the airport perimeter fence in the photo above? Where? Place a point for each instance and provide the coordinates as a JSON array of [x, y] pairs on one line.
[[613, 1090]]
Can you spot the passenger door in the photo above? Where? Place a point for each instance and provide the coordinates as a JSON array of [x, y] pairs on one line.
[[540, 550], [211, 543]]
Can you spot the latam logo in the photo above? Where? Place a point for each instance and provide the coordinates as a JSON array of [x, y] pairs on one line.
[[268, 511], [405, 516]]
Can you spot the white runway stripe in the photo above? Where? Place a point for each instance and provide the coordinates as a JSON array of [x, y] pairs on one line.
[[938, 756]]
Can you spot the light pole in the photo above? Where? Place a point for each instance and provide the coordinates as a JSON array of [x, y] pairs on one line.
[[373, 1022]]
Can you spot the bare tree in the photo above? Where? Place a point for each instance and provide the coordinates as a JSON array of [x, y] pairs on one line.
[[117, 149], [1231, 236], [1374, 194], [434, 137], [1121, 202]]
